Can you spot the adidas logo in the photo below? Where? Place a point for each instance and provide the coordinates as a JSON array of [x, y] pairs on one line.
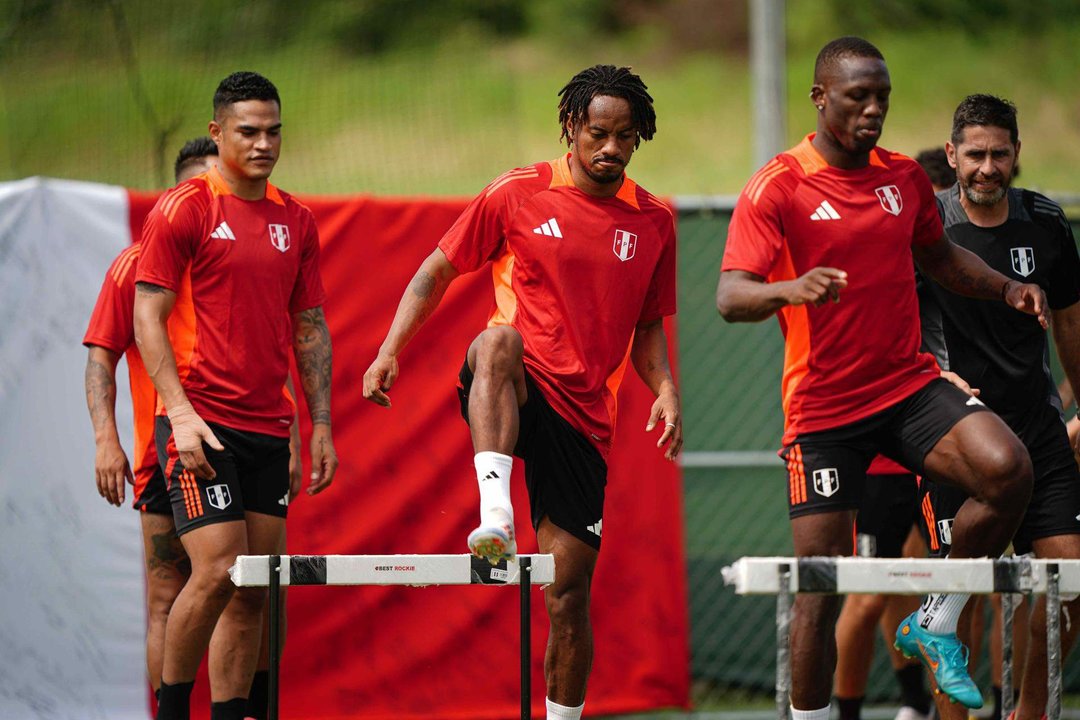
[[284, 500], [974, 401], [223, 232], [825, 211], [550, 228], [492, 476], [597, 528]]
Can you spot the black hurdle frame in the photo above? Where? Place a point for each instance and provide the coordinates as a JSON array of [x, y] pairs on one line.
[[273, 687]]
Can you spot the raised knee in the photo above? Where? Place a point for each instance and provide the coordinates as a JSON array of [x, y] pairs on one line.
[[1008, 476], [499, 346]]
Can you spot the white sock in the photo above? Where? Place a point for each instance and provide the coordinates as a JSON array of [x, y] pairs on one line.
[[493, 477], [820, 714], [561, 712], [940, 611]]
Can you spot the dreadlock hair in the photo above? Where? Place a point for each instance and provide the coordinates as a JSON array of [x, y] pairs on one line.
[[192, 152], [847, 46], [988, 110], [613, 82], [241, 86]]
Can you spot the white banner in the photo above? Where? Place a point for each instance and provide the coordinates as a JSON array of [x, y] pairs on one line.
[[72, 612]]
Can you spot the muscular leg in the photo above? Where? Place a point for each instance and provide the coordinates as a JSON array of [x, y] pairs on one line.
[[212, 549], [1033, 690], [987, 461], [855, 643], [570, 644], [167, 569], [498, 389], [234, 648], [813, 622]]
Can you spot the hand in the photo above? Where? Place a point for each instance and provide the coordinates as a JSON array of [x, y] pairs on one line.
[[960, 383], [324, 459], [817, 286], [666, 410], [112, 469], [1027, 298], [189, 434], [378, 379], [296, 466]]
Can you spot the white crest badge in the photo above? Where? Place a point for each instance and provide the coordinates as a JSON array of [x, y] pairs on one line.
[[219, 496], [826, 482], [279, 237], [625, 245], [944, 531], [889, 197], [1023, 260]]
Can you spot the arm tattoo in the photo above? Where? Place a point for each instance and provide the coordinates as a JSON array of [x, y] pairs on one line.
[[314, 359], [100, 393], [423, 285], [146, 288]]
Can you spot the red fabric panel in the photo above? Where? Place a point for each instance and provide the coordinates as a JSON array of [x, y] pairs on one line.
[[406, 485]]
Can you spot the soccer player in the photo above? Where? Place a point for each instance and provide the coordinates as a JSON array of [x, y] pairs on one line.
[[884, 528], [226, 259], [110, 335], [1025, 236], [824, 235], [584, 271]]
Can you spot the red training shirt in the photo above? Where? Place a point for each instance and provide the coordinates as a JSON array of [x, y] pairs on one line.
[[574, 275], [239, 268], [848, 360], [112, 327]]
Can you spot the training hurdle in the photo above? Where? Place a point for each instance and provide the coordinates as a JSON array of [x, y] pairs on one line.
[[274, 571], [786, 576]]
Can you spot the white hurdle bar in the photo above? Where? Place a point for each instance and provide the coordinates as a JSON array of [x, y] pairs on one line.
[[786, 576], [274, 571]]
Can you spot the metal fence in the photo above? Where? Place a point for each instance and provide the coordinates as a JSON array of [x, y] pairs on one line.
[[734, 484]]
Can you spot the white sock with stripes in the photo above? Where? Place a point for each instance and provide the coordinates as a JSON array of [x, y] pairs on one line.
[[555, 711], [940, 611], [493, 476]]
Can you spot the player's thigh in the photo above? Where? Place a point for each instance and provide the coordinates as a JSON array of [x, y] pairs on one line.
[[167, 563]]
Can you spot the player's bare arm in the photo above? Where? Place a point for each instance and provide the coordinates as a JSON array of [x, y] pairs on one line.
[[1065, 326], [649, 353], [111, 467], [153, 304], [745, 297], [314, 359], [964, 273], [423, 295]]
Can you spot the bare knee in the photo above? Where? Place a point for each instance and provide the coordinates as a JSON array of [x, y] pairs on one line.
[[1007, 476], [248, 602], [864, 610], [211, 579], [497, 349]]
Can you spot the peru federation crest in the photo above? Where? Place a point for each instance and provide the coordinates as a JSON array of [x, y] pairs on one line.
[[1023, 260], [279, 237], [625, 245], [890, 199]]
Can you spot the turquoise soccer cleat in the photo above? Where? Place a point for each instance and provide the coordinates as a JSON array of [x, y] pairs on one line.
[[946, 657]]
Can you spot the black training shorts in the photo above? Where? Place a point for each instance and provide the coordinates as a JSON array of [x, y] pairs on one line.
[[889, 509], [252, 476], [827, 469], [564, 472]]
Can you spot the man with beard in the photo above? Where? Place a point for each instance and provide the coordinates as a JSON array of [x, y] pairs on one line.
[[824, 235], [584, 270], [1025, 236]]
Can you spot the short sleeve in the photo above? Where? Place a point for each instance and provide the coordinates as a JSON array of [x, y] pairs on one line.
[[479, 232], [928, 227], [1064, 278], [169, 237], [755, 235], [660, 300], [308, 291], [112, 324]]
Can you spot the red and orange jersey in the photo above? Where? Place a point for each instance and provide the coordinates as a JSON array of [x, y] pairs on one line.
[[239, 268], [848, 360], [575, 275], [112, 327]]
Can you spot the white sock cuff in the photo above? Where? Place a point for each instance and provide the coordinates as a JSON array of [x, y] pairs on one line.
[[819, 714], [562, 712], [940, 612], [493, 477]]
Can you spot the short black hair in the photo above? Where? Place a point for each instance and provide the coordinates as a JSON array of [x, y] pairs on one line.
[[613, 82], [842, 47], [936, 164], [192, 152], [983, 109], [241, 86]]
